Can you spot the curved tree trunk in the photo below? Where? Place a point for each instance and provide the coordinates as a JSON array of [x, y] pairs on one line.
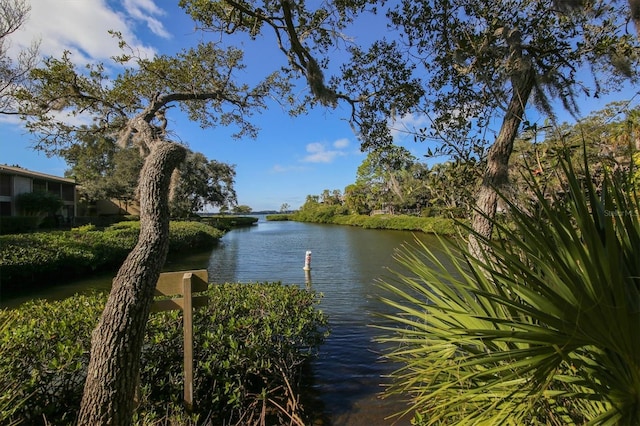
[[116, 342], [634, 6], [496, 176]]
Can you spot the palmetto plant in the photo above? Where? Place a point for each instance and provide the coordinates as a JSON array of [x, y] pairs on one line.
[[544, 328]]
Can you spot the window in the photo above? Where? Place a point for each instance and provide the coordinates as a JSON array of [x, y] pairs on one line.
[[5, 208], [39, 185], [67, 192], [5, 185], [54, 188]]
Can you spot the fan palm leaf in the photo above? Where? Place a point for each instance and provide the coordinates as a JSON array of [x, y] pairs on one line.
[[542, 328]]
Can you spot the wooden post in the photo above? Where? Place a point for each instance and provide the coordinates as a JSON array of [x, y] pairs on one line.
[[184, 283], [187, 314]]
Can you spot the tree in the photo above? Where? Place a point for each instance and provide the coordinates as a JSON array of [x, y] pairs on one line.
[[463, 65], [132, 108], [485, 61], [13, 14], [121, 183], [37, 203], [285, 207], [356, 198], [202, 182], [386, 173], [452, 184], [102, 169], [242, 209], [90, 161], [331, 198], [606, 137], [490, 59]]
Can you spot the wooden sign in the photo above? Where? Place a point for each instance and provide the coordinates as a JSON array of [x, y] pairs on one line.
[[184, 284]]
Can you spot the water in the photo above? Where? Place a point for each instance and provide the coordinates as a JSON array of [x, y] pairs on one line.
[[346, 262]]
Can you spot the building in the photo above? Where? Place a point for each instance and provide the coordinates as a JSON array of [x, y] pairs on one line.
[[16, 180]]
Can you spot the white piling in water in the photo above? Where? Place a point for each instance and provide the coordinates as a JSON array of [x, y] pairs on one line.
[[307, 261]]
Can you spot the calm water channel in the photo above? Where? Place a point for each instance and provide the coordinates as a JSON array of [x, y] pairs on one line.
[[346, 262]]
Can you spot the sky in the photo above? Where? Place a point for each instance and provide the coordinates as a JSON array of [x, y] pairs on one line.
[[291, 157]]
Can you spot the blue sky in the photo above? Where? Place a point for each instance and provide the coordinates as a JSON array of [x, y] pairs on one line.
[[290, 159]]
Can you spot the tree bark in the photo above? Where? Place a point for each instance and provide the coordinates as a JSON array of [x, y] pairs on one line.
[[634, 6], [496, 176], [116, 343]]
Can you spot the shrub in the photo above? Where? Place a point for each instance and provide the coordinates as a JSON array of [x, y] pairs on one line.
[[250, 343], [18, 224], [191, 236], [228, 222], [99, 221], [279, 217], [85, 228], [46, 257], [38, 202], [9, 398], [320, 213], [45, 356], [541, 329], [436, 225]]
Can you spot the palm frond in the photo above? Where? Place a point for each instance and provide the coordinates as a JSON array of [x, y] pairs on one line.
[[541, 329]]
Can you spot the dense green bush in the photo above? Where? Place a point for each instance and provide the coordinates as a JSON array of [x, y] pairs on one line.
[[250, 343], [320, 213], [228, 222], [279, 217], [45, 353], [45, 257], [102, 221], [18, 224], [9, 400], [438, 225], [336, 214]]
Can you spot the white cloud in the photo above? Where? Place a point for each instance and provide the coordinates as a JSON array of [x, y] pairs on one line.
[[341, 143], [145, 10], [82, 27], [319, 153]]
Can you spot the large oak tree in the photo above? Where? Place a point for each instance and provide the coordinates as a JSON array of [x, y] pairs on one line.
[[464, 65], [132, 107]]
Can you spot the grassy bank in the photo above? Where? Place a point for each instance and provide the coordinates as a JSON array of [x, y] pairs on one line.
[[43, 258], [251, 342], [434, 225]]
